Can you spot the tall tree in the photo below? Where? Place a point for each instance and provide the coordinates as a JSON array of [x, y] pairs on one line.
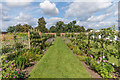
[[82, 29], [11, 29], [60, 26], [89, 29], [41, 25], [53, 29], [19, 28]]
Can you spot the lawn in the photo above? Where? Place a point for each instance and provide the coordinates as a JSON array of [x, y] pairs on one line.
[[59, 62]]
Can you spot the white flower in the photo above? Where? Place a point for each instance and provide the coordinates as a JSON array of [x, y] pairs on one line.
[[103, 56], [113, 63]]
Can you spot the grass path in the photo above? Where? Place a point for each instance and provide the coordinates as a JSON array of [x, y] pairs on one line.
[[59, 62]]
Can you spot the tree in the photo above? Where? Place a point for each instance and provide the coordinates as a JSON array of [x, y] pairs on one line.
[[26, 27], [60, 26], [41, 25], [19, 28], [11, 29], [53, 29], [89, 29], [82, 29]]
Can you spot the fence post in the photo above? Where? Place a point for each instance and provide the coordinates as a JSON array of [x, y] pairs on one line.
[[29, 38], [88, 42], [55, 34], [40, 35]]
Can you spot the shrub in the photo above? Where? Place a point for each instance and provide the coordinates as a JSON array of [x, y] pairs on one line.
[[103, 69], [9, 70], [82, 58], [10, 56], [20, 61], [19, 45], [58, 34], [88, 60], [6, 49]]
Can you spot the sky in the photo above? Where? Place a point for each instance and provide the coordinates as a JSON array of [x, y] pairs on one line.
[[94, 14]]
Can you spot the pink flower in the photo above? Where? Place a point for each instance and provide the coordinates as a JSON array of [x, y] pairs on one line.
[[18, 72], [98, 62], [6, 61], [8, 74], [11, 64], [104, 60], [91, 56], [8, 43], [14, 77], [0, 69], [17, 69], [5, 76], [100, 58]]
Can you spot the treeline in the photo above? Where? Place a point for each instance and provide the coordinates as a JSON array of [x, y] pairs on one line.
[[70, 27], [59, 27]]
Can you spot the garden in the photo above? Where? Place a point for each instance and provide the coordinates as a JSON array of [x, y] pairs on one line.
[[18, 55], [44, 55]]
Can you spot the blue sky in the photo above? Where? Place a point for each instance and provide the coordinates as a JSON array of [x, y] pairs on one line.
[[90, 13]]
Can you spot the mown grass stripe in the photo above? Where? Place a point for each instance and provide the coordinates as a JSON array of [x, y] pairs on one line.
[[59, 62]]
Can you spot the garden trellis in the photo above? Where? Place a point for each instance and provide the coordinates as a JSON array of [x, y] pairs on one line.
[[37, 39]]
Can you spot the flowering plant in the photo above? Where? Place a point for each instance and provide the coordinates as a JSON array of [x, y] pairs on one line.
[[9, 70]]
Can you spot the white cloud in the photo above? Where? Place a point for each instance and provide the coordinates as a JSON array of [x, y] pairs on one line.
[[116, 13], [26, 19], [18, 3], [93, 0], [97, 25], [4, 13], [52, 21], [49, 8], [84, 10], [98, 18], [6, 18], [113, 9], [20, 19]]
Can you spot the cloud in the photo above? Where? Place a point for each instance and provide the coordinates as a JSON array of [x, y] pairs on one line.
[[4, 13], [93, 0], [18, 3], [113, 9], [98, 18], [98, 25], [25, 19], [49, 8], [52, 21], [6, 18], [84, 10]]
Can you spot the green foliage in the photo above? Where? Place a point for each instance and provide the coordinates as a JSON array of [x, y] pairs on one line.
[[9, 70], [58, 34], [89, 29], [19, 45], [60, 27], [20, 61], [53, 29], [82, 58], [41, 25], [88, 60], [104, 69], [19, 28], [35, 39], [6, 49]]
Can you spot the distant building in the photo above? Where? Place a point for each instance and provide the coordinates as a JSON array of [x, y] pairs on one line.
[[4, 32]]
